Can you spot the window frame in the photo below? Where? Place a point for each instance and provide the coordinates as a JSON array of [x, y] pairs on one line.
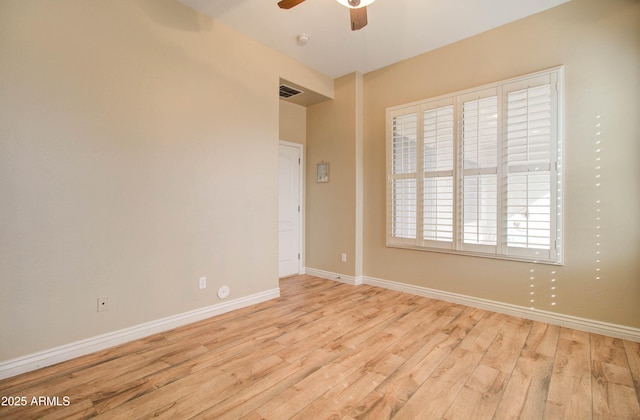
[[553, 77]]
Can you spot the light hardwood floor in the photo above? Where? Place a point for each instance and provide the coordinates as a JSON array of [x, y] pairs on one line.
[[329, 350]]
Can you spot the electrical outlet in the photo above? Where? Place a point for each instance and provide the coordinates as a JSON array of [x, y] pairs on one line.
[[344, 257], [203, 282], [103, 304]]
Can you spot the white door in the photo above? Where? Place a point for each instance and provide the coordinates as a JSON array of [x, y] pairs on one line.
[[290, 169]]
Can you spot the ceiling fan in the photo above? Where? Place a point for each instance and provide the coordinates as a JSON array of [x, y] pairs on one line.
[[357, 8]]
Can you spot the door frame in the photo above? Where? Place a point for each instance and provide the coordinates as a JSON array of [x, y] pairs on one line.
[[301, 201]]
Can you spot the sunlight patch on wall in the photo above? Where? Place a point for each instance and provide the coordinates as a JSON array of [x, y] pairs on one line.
[[598, 201], [543, 297]]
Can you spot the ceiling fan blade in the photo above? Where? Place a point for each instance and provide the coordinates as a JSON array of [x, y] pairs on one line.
[[288, 4], [358, 18]]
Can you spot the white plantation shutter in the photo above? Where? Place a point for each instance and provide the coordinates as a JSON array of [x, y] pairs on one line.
[[528, 210], [531, 153], [404, 206], [404, 132], [479, 187], [438, 162], [476, 172]]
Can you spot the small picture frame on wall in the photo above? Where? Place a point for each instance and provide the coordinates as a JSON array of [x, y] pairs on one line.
[[322, 174]]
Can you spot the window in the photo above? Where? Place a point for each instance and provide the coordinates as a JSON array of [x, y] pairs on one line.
[[479, 172]]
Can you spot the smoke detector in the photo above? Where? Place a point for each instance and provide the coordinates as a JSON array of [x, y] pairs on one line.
[[302, 39]]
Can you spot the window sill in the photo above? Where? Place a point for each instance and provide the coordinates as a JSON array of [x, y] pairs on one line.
[[517, 258]]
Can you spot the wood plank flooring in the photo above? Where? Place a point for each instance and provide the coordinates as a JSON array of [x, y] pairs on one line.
[[327, 350]]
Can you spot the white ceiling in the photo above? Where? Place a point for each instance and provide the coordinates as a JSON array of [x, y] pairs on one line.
[[397, 29]]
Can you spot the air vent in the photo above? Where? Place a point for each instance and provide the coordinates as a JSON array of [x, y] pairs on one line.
[[288, 91]]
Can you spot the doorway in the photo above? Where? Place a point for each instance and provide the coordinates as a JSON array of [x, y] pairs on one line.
[[290, 232]]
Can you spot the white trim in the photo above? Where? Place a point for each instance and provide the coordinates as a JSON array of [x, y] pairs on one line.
[[301, 200], [342, 278], [583, 324], [70, 351]]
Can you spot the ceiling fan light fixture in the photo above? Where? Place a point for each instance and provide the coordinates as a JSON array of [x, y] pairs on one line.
[[355, 4]]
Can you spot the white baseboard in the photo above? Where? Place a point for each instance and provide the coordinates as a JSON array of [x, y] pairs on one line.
[[80, 348], [583, 324], [354, 281]]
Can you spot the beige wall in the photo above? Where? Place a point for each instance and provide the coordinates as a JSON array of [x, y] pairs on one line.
[[599, 43], [293, 122], [137, 140], [331, 207]]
